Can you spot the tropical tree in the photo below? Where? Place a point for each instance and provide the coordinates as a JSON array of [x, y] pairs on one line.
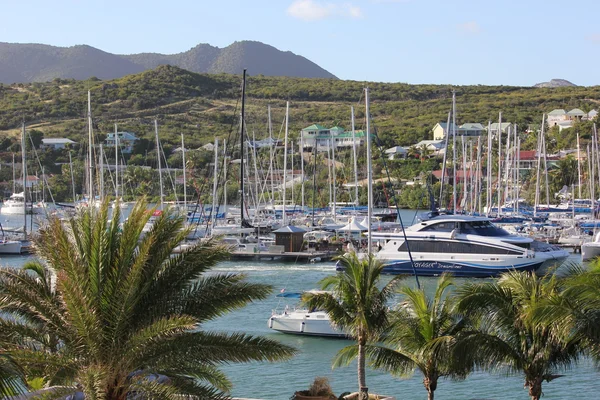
[[576, 309], [508, 335], [117, 314], [356, 304], [423, 335]]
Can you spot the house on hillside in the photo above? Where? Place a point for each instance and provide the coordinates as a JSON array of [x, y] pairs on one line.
[[471, 129], [56, 143], [504, 127], [396, 152], [437, 147], [125, 141], [324, 138]]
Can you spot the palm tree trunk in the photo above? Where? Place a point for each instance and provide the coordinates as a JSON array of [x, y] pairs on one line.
[[430, 383], [363, 390], [535, 388]]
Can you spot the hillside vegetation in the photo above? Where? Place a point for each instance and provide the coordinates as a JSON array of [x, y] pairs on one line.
[[205, 106]]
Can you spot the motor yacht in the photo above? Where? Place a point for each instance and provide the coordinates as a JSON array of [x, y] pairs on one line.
[[466, 246]]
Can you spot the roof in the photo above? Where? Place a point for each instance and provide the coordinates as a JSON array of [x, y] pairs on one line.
[[504, 125], [593, 113], [57, 141], [336, 128], [558, 111], [290, 229], [525, 155], [576, 112], [435, 143], [443, 125], [472, 126], [396, 149], [315, 127]]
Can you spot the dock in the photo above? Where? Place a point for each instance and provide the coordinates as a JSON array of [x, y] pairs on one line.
[[290, 256]]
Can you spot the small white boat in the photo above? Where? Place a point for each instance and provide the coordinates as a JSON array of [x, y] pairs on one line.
[[591, 250], [10, 246], [301, 321]]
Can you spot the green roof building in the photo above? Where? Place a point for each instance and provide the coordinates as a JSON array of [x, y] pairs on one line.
[[324, 138]]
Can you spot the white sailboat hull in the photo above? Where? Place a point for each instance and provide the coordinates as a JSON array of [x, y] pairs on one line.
[[10, 247]]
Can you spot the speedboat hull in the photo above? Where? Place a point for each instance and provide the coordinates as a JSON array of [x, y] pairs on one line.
[[458, 269], [590, 250], [303, 322]]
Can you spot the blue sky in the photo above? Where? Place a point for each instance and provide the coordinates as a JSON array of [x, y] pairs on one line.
[[457, 42]]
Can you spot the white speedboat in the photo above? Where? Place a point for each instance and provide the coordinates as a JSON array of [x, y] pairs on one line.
[[464, 246], [301, 321], [15, 205], [591, 250]]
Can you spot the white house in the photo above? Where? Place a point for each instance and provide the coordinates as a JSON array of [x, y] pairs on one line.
[[396, 152], [436, 146], [125, 140], [468, 129], [55, 143], [324, 138]]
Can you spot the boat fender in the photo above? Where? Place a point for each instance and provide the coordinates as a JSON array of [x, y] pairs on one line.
[[271, 323], [302, 327]]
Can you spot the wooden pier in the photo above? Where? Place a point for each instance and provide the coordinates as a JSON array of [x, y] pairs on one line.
[[289, 256]]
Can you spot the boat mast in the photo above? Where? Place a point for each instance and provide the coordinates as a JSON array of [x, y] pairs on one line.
[[242, 142], [160, 182], [285, 147], [539, 165], [355, 158], [488, 200], [90, 151], [578, 167], [302, 166], [24, 170], [101, 172], [72, 177], [369, 176], [442, 180], [116, 164], [499, 164], [271, 151], [14, 175], [184, 176], [334, 191], [213, 213], [454, 151]]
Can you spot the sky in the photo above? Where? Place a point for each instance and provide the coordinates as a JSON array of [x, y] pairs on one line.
[[458, 42]]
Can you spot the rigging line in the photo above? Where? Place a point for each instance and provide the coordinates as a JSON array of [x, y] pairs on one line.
[[387, 171]]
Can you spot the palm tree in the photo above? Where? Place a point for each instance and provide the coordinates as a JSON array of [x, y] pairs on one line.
[[116, 314], [357, 305], [576, 309], [508, 335], [422, 336]]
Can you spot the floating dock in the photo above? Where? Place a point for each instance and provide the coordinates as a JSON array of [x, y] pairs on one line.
[[290, 256]]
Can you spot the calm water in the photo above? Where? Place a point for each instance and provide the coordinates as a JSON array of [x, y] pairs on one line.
[[278, 381]]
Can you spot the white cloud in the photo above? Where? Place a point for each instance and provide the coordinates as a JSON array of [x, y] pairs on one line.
[[311, 10], [594, 38], [470, 27]]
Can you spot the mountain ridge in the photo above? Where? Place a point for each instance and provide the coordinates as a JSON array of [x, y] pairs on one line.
[[32, 62]]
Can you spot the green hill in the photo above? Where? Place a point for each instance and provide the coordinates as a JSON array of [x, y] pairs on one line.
[[204, 105]]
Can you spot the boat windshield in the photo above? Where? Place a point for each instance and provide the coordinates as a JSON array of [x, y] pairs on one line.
[[482, 228]]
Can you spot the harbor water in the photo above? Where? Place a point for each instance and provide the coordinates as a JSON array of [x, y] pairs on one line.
[[278, 381]]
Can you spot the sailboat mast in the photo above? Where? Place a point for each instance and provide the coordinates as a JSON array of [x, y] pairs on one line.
[[539, 165], [90, 151], [578, 167], [454, 151], [271, 150], [334, 189], [72, 177], [160, 182], [499, 164], [23, 156], [116, 164], [285, 147], [444, 161], [369, 176], [242, 142], [302, 166], [213, 210], [355, 158], [184, 176], [488, 200]]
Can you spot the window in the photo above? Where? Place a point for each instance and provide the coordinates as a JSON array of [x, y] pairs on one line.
[[439, 246], [440, 227]]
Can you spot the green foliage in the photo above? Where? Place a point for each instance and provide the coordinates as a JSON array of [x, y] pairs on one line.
[[105, 309]]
